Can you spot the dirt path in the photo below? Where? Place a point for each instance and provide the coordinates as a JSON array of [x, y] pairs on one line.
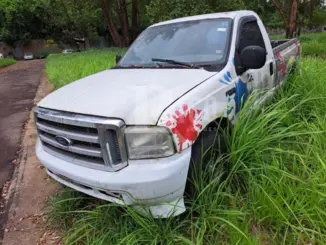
[[30, 187], [18, 85]]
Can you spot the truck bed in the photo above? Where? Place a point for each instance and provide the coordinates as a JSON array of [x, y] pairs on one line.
[[278, 45], [286, 53]]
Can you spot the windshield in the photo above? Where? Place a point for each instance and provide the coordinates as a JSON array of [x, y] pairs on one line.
[[194, 42]]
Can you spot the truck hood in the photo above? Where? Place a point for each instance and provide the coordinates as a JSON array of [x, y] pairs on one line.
[[138, 96]]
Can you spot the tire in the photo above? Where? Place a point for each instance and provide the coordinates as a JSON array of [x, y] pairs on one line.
[[209, 144]]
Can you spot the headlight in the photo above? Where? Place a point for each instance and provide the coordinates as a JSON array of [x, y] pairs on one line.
[[149, 142]]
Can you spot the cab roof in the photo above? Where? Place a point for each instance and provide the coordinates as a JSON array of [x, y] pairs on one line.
[[231, 15]]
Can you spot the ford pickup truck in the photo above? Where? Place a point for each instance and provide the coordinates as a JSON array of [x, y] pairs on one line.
[[132, 134]]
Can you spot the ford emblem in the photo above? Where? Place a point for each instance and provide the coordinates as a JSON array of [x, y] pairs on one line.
[[63, 141]]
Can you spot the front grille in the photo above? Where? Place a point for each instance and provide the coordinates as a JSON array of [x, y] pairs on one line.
[[93, 142]]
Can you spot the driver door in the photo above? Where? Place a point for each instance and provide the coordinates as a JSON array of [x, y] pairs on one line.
[[250, 34]]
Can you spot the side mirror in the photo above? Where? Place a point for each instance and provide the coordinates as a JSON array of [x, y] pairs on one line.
[[253, 57], [117, 58]]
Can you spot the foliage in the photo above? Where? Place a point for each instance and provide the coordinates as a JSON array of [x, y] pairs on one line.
[[318, 18], [7, 62], [121, 21], [314, 46], [24, 20], [80, 65], [273, 192], [159, 10], [76, 19], [165, 10], [274, 20]]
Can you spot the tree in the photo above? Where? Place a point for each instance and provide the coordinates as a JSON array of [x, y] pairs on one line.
[[108, 19], [318, 17], [294, 13], [159, 10], [75, 19], [119, 28], [24, 20]]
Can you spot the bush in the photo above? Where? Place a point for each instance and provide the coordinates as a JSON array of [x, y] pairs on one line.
[[43, 54]]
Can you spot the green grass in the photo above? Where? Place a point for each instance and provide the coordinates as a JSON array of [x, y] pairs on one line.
[[314, 45], [274, 191], [66, 68], [6, 62]]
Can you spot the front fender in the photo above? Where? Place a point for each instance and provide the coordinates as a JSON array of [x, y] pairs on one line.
[[189, 116]]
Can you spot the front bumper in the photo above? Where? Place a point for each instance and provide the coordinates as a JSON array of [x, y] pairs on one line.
[[157, 184]]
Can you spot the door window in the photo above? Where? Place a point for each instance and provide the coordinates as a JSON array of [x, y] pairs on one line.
[[250, 35]]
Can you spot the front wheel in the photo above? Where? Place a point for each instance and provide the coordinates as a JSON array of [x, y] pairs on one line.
[[205, 151]]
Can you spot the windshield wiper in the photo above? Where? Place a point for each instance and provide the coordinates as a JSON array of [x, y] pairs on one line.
[[176, 62]]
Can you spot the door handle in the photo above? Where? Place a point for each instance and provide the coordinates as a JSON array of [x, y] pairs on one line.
[[271, 68]]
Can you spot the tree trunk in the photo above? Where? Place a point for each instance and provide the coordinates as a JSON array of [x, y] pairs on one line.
[[123, 16], [109, 22], [293, 18], [287, 32], [283, 15], [311, 12], [134, 20]]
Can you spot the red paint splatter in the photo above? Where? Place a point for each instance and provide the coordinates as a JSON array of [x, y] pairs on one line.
[[184, 128], [168, 123], [282, 64]]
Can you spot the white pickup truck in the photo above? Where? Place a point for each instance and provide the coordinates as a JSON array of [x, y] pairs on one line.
[[130, 134]]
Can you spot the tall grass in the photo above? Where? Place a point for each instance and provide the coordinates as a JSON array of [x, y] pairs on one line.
[[6, 62], [66, 68], [314, 45], [273, 192]]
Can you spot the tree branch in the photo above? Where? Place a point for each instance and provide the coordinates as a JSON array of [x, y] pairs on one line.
[[280, 10]]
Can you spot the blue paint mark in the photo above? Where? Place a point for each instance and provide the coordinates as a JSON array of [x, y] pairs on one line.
[[229, 75], [241, 94], [227, 78], [233, 62], [223, 81]]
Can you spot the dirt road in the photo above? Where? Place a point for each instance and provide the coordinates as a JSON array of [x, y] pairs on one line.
[[24, 219], [18, 85]]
